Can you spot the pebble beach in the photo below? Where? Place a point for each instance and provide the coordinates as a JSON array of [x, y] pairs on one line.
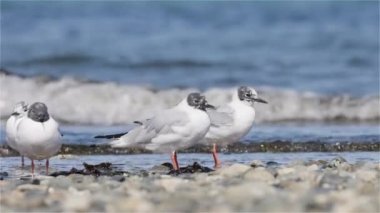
[[316, 185]]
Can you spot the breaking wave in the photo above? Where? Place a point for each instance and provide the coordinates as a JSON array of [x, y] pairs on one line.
[[107, 103]]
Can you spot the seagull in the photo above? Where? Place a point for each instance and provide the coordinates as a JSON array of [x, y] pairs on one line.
[[179, 127], [38, 135], [232, 121], [19, 112]]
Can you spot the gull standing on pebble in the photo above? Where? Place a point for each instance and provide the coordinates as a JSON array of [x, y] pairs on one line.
[[232, 121], [179, 127], [19, 112], [38, 135]]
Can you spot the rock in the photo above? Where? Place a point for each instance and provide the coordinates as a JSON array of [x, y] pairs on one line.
[[233, 170], [334, 181], [272, 164], [161, 169], [349, 201], [118, 178], [77, 200], [36, 182], [32, 197], [242, 197], [190, 169], [286, 171], [259, 174], [312, 167], [132, 204], [171, 184], [367, 175], [336, 162], [257, 163], [60, 182], [4, 174]]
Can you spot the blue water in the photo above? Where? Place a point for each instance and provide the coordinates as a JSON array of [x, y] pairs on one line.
[[261, 133], [136, 163], [325, 47]]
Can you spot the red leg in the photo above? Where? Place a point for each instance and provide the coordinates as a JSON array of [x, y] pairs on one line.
[[175, 161], [47, 166], [22, 161], [215, 156], [32, 168]]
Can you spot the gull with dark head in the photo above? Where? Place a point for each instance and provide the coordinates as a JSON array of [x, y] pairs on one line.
[[232, 121], [38, 135], [179, 127], [19, 112]]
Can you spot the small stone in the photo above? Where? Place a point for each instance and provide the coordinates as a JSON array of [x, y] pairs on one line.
[[77, 200], [36, 182], [60, 182], [161, 169], [259, 174], [4, 174], [257, 163], [233, 170], [285, 171], [313, 167], [118, 178], [334, 163], [367, 175], [272, 163], [171, 184]]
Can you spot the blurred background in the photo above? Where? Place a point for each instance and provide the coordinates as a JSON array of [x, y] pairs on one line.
[[109, 63], [326, 47]]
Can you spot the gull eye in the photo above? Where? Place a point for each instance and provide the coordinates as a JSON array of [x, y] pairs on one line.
[[248, 94]]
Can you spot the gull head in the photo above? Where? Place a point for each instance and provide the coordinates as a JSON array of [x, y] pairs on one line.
[[249, 95], [198, 101], [38, 112], [20, 108]]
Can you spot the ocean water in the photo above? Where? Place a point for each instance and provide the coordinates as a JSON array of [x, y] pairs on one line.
[[330, 48], [101, 65]]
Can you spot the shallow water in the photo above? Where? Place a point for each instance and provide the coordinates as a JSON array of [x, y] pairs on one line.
[[135, 163], [260, 133]]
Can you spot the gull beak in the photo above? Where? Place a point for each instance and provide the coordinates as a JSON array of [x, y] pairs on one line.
[[15, 114], [260, 100]]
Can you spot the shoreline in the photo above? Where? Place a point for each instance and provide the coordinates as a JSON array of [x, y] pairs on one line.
[[275, 147], [318, 186]]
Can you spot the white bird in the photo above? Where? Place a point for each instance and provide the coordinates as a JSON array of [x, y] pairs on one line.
[[232, 121], [19, 112], [179, 127], [38, 135]]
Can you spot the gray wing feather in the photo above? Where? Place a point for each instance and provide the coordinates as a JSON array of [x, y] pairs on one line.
[[222, 116], [159, 125]]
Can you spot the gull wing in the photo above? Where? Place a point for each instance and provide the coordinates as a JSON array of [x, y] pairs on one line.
[[222, 116], [160, 126]]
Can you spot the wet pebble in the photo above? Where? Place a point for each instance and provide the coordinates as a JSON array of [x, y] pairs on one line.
[[258, 187]]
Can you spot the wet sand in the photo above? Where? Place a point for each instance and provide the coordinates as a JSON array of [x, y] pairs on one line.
[[315, 185]]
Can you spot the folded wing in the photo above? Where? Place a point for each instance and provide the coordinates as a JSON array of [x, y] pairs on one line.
[[160, 129], [222, 116]]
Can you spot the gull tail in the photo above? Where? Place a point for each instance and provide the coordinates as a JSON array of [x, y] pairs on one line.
[[113, 136]]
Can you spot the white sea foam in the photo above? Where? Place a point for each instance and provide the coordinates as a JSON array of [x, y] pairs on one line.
[[74, 101]]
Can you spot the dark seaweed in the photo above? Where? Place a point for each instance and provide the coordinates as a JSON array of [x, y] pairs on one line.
[[190, 169], [102, 169]]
